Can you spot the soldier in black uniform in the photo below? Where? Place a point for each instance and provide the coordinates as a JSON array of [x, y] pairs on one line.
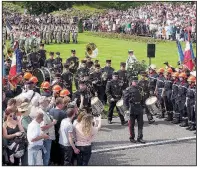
[[34, 58], [49, 62], [89, 84], [190, 103], [73, 62], [80, 72], [82, 97], [159, 91], [144, 88], [95, 77], [174, 97], [181, 99], [152, 80], [107, 72], [58, 63], [114, 94], [42, 53], [132, 102], [167, 94], [67, 78], [123, 75]]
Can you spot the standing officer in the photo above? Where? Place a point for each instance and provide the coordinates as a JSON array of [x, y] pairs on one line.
[[132, 101], [95, 77], [49, 62], [42, 53], [143, 86], [174, 96], [167, 93], [67, 77], [114, 94], [73, 62], [34, 58], [123, 75], [58, 62], [190, 103], [107, 72], [159, 91]]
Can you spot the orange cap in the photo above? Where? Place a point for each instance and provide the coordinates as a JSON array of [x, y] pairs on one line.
[[57, 88], [64, 93], [27, 75], [33, 79], [161, 70], [45, 85]]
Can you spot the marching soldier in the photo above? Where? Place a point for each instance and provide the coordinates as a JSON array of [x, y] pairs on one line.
[[75, 34], [95, 77], [67, 77], [89, 84], [114, 94], [132, 101], [49, 62], [59, 35], [152, 79], [167, 93], [73, 62], [190, 103], [181, 99], [67, 34], [47, 33], [42, 53], [81, 72], [159, 91], [107, 72], [144, 88], [55, 32], [123, 75], [58, 63], [174, 96]]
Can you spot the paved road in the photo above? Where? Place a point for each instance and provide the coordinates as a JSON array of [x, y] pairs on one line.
[[114, 135], [182, 153]]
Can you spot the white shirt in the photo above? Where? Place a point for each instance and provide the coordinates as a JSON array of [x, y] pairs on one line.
[[34, 131], [28, 95]]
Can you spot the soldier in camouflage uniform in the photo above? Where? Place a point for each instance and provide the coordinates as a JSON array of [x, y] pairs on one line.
[[59, 35]]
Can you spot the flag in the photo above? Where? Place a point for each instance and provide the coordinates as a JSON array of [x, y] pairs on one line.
[[180, 52], [13, 69], [188, 62], [8, 26], [18, 60], [192, 52]]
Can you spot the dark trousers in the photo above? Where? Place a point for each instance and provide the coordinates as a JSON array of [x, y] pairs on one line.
[[136, 114], [76, 83], [110, 112], [55, 150], [84, 156], [101, 93], [66, 155], [191, 113], [168, 103]]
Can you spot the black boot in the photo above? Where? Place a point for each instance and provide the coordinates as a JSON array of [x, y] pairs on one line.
[[189, 126], [192, 128], [132, 140], [109, 122], [185, 123], [169, 116], [140, 140], [176, 120], [162, 115], [124, 123]]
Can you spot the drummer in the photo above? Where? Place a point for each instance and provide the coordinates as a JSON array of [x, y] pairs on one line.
[[145, 92]]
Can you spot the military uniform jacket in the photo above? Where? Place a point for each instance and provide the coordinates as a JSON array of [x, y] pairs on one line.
[[123, 77], [168, 87], [160, 84], [34, 58], [74, 60], [152, 81], [109, 71], [42, 56], [86, 98], [191, 94], [95, 77], [58, 63], [90, 87], [175, 89], [67, 77], [144, 89], [114, 90], [49, 63], [132, 98]]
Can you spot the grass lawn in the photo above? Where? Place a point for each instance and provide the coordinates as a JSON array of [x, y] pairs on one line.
[[116, 50]]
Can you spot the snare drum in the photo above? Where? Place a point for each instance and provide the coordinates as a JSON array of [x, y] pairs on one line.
[[43, 74], [97, 106], [121, 107], [153, 105]]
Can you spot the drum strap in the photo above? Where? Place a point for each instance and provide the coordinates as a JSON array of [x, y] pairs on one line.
[[32, 96]]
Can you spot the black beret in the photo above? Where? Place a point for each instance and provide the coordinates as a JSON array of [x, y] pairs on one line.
[[51, 53], [108, 61], [83, 61], [42, 44], [73, 51], [97, 65], [130, 51]]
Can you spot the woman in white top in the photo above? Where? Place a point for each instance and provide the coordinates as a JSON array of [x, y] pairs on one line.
[[85, 132]]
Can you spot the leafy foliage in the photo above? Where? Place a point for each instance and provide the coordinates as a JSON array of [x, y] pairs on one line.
[[11, 7]]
